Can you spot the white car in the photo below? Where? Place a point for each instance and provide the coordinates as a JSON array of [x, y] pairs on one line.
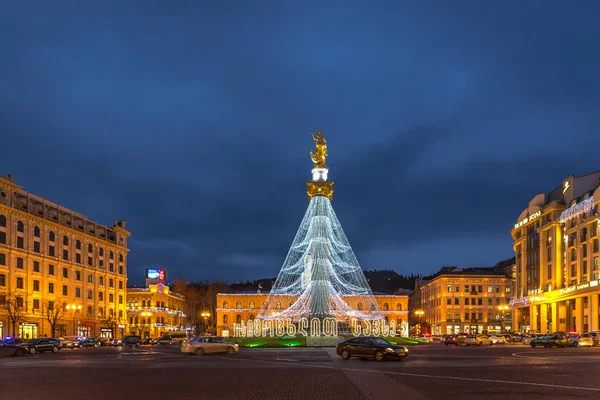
[[527, 339], [208, 344], [497, 339], [583, 340], [423, 338]]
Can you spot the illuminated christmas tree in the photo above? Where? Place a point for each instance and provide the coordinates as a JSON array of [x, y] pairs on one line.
[[320, 272]]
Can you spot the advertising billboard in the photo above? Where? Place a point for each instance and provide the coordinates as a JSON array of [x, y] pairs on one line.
[[157, 274]]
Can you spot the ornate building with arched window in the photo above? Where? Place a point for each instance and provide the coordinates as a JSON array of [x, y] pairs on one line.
[[391, 306]]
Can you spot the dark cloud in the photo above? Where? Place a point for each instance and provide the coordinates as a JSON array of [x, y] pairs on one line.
[[193, 123]]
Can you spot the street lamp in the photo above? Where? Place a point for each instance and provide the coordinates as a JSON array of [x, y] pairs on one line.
[[205, 315], [145, 314], [74, 308], [503, 309], [420, 313]]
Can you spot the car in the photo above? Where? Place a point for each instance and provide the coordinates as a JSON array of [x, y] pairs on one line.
[[131, 340], [583, 340], [41, 345], [478, 340], [527, 339], [595, 337], [557, 339], [423, 338], [436, 338], [8, 349], [88, 342], [147, 341], [518, 337], [208, 344], [454, 339], [370, 347], [497, 339], [507, 337], [103, 341]]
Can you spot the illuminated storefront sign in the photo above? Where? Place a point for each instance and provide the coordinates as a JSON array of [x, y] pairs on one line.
[[528, 219], [158, 274], [312, 327], [574, 288]]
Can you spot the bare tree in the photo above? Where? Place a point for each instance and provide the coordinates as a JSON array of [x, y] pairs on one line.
[[111, 322], [53, 312], [14, 306]]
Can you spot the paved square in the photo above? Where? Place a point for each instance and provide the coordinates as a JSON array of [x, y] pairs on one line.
[[430, 372]]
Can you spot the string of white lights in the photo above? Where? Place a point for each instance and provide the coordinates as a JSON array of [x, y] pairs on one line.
[[319, 270]]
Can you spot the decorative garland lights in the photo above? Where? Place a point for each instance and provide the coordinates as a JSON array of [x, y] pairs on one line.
[[580, 208], [319, 270], [313, 327]]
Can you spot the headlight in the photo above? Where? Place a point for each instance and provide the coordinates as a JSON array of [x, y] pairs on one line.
[[389, 350], [236, 345], [406, 349]]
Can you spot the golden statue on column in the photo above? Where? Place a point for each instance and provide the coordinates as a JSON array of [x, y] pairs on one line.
[[318, 157], [319, 186]]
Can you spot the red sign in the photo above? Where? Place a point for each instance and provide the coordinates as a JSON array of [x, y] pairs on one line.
[[161, 274]]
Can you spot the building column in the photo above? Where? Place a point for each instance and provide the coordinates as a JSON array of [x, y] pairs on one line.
[[579, 314], [543, 318], [553, 317], [515, 320], [533, 318], [593, 312]]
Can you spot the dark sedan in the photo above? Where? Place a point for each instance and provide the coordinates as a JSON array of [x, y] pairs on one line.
[[7, 349], [42, 345], [549, 341], [370, 347], [454, 339]]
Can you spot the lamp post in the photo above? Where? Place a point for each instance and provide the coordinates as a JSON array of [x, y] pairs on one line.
[[74, 308], [503, 309], [205, 315], [145, 314], [420, 313]]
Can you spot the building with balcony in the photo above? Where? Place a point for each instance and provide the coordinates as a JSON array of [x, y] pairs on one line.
[[58, 269], [457, 300], [557, 252], [234, 308], [154, 310]]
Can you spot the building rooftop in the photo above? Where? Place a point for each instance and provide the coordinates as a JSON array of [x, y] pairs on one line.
[[43, 208]]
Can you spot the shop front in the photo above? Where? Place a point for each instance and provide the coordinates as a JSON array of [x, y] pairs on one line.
[[28, 330]]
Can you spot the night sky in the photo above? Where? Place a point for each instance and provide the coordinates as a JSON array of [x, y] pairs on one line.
[[192, 120]]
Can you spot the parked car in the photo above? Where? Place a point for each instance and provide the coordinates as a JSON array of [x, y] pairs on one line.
[[131, 340], [8, 349], [477, 340], [527, 339], [497, 339], [583, 340], [15, 341], [41, 345], [370, 347], [454, 339], [595, 337], [423, 338], [207, 345], [147, 341], [507, 337], [88, 342], [554, 340], [103, 341], [436, 338], [518, 337]]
